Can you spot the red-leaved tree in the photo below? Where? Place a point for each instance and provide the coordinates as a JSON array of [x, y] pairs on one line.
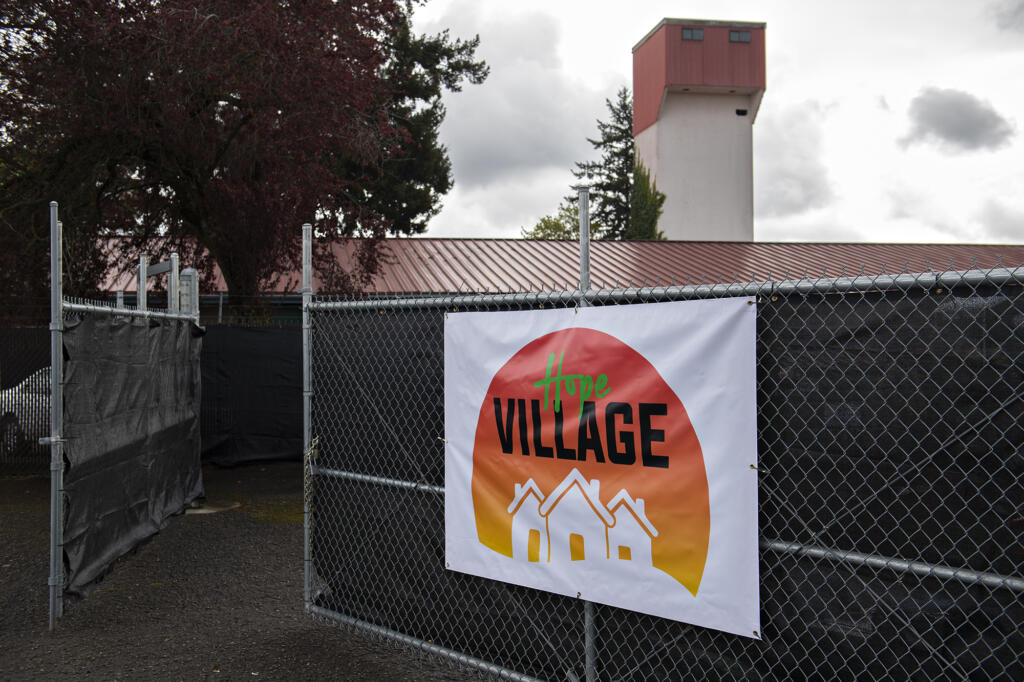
[[208, 127]]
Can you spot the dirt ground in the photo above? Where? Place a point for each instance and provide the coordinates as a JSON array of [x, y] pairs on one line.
[[215, 596]]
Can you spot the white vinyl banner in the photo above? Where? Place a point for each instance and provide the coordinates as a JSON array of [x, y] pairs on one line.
[[609, 454]]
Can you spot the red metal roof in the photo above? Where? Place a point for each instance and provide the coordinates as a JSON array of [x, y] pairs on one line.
[[433, 265], [436, 265]]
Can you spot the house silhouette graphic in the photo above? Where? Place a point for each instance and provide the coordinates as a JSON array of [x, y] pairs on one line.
[[572, 524]]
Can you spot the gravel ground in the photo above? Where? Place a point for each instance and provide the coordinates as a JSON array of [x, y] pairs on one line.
[[215, 596]]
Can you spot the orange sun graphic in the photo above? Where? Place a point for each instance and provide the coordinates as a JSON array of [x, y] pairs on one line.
[[580, 408]]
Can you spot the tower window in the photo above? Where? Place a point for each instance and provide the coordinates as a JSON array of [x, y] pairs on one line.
[[739, 36], [693, 34], [741, 112]]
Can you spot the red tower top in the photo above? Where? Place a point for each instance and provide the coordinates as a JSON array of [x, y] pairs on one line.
[[691, 55]]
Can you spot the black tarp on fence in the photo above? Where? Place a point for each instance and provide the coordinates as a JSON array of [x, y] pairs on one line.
[[131, 424], [888, 426], [252, 394]]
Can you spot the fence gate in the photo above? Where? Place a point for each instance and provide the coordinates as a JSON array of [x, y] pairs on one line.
[[124, 388], [891, 457]]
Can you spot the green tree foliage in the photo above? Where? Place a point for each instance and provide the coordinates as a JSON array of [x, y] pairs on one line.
[[646, 205], [611, 178], [563, 225], [215, 128], [624, 200], [415, 170]]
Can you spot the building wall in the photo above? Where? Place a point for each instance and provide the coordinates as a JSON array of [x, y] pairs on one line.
[[707, 177], [714, 61], [646, 149], [663, 59], [650, 74]]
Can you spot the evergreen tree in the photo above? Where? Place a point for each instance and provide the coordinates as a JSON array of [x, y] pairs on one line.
[[646, 205], [611, 178], [624, 200], [414, 172], [563, 225]]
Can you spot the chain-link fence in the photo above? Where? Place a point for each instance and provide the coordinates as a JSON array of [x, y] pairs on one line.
[[24, 385], [24, 399], [891, 488], [263, 311]]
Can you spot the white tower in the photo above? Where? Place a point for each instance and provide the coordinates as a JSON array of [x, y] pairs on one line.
[[697, 86]]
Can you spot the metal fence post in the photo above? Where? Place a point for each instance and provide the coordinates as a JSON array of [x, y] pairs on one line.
[[189, 294], [56, 581], [173, 286], [584, 204], [307, 291], [143, 277], [589, 626]]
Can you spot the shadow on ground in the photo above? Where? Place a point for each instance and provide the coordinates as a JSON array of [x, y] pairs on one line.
[[215, 596]]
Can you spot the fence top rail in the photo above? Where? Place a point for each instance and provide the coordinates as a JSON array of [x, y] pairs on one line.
[[823, 285], [81, 306]]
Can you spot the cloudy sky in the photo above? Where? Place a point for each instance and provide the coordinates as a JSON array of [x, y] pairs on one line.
[[883, 121]]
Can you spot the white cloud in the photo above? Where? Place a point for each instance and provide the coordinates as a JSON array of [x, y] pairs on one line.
[[502, 210], [1009, 15], [530, 114], [820, 225], [1002, 223], [956, 121], [790, 175], [834, 174], [914, 210]]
